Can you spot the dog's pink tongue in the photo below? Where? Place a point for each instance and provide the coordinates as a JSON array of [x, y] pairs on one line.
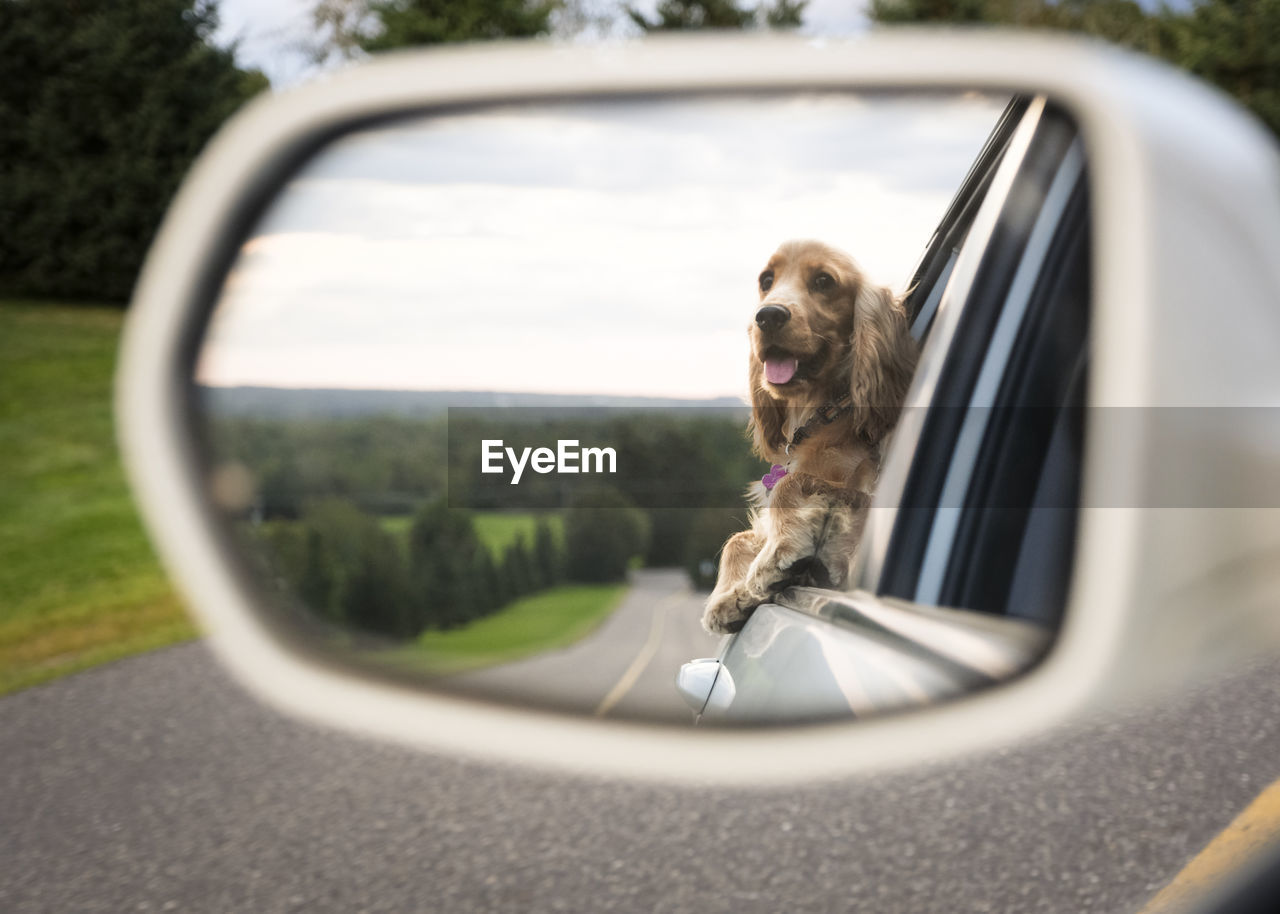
[[779, 371]]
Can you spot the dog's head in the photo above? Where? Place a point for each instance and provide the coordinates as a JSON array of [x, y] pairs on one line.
[[820, 332]]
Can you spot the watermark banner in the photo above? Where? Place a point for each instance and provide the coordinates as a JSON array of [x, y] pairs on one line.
[[986, 458]]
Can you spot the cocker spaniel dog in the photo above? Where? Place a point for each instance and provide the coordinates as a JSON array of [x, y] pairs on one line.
[[831, 359]]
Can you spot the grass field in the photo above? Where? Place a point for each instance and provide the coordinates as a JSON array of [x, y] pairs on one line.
[[79, 584], [541, 622], [499, 529], [545, 621], [496, 529]]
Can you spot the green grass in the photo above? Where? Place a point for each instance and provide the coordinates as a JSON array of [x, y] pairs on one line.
[[496, 529], [397, 525], [79, 584], [499, 529], [543, 622]]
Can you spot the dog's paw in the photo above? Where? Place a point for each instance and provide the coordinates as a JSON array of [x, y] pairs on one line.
[[832, 574], [728, 612], [771, 571]]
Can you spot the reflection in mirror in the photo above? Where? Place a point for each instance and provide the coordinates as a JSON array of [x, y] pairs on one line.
[[474, 398]]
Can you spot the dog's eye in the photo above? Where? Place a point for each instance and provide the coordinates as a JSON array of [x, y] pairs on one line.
[[823, 282], [766, 280]]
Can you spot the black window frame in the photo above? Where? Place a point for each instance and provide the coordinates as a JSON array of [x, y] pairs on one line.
[[1053, 137], [930, 276], [1040, 401]]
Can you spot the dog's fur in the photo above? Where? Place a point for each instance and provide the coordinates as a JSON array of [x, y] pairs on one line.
[[849, 337]]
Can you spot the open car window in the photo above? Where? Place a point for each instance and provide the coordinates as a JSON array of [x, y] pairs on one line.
[[997, 448], [1009, 551], [929, 279]]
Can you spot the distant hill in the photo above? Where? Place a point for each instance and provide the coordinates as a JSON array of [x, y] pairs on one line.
[[296, 403]]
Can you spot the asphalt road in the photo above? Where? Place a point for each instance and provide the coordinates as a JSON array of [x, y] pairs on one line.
[[626, 668], [154, 784]]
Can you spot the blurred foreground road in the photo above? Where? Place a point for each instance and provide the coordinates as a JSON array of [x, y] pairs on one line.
[[154, 784]]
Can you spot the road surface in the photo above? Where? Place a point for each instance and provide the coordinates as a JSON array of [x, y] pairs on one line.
[[626, 668], [155, 784]]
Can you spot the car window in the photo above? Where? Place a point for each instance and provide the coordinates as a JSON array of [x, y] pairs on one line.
[[1011, 547], [929, 279], [991, 491]]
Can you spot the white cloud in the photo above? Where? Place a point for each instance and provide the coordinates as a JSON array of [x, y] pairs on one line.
[[576, 249]]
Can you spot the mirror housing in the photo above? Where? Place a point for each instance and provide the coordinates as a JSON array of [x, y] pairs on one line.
[[1186, 192]]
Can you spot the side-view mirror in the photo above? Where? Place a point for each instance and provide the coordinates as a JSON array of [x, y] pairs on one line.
[[445, 378]]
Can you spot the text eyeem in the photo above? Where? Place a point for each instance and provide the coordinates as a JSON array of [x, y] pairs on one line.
[[566, 458]]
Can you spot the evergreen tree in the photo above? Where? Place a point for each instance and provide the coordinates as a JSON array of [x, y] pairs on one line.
[[1234, 44], [347, 27], [490, 589], [407, 23], [682, 15], [375, 589], [443, 549], [317, 578], [930, 10], [679, 15], [352, 572], [785, 14], [103, 106], [547, 556], [604, 531], [518, 568]]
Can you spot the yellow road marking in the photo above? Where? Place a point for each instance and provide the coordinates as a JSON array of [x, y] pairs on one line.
[[642, 658], [1251, 831]]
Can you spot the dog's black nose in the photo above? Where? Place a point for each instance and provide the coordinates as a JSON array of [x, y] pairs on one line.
[[771, 317]]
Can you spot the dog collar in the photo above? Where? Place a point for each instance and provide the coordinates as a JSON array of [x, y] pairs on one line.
[[824, 416]]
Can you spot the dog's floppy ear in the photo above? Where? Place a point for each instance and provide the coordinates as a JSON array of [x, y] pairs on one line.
[[884, 359], [768, 416]]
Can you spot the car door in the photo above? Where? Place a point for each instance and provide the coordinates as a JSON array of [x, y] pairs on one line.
[[966, 559]]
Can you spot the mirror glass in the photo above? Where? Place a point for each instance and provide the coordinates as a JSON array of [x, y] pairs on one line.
[[473, 401]]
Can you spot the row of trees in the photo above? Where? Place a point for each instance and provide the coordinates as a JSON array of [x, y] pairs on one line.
[[346, 568], [384, 465], [105, 103], [1231, 43], [675, 465], [348, 28]]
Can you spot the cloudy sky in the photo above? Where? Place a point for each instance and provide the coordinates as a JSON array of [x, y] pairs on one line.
[[577, 248]]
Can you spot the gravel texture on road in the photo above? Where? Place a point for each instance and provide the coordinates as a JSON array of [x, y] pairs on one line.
[[156, 784]]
